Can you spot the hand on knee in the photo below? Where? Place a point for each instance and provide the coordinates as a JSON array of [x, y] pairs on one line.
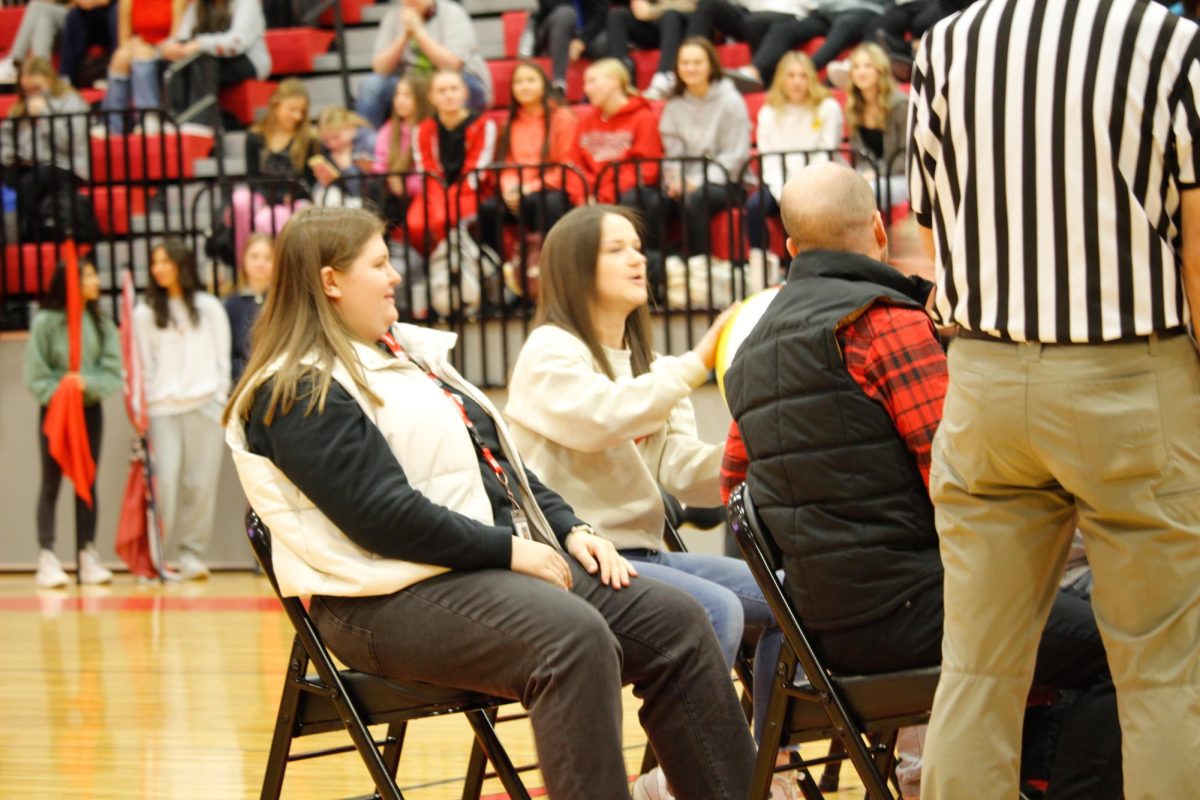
[[119, 63]]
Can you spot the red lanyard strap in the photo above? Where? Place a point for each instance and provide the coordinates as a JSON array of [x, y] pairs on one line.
[[477, 440]]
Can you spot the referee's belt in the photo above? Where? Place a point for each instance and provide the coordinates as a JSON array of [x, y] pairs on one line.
[[980, 336]]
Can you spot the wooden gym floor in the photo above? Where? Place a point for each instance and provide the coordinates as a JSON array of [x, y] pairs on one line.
[[147, 691]]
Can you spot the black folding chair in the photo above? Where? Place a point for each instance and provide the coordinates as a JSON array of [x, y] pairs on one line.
[[863, 712], [344, 699]]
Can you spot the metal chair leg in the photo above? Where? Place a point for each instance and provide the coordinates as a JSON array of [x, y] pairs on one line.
[[505, 771], [477, 764]]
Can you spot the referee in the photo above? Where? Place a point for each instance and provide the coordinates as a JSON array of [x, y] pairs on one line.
[[1054, 170]]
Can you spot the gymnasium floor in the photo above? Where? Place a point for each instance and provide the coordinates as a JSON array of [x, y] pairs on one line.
[[135, 691]]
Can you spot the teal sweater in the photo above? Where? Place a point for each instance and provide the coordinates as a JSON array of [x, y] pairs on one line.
[[46, 357]]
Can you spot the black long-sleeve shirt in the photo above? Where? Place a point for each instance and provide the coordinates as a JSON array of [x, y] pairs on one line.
[[341, 462]]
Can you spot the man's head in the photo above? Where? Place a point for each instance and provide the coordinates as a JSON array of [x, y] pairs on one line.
[[829, 206]]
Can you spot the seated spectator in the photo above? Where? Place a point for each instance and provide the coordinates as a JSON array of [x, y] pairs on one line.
[[877, 115], [347, 158], [279, 177], [763, 24], [567, 30], [242, 308], [431, 560], [537, 130], [36, 35], [394, 145], [842, 23], [798, 118], [704, 119], [134, 78], [854, 413], [621, 128], [425, 36], [450, 145], [905, 18], [89, 23], [650, 24], [45, 158], [231, 33]]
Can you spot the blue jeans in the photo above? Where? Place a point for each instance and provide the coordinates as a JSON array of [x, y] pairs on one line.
[[140, 89], [374, 100], [730, 596]]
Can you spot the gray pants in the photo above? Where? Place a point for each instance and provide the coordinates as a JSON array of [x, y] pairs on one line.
[[554, 35], [564, 656], [39, 30], [187, 465]]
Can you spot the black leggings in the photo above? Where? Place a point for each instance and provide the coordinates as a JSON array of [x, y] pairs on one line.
[[85, 518], [539, 212]]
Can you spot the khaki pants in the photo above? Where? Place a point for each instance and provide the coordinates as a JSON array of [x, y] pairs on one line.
[[1030, 436]]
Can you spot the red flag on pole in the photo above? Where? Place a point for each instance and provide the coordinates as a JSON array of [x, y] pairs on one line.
[[65, 429], [139, 542]]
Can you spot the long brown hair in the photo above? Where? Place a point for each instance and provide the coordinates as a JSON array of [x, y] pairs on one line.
[[567, 286], [299, 330], [177, 251], [400, 159], [302, 141], [715, 71], [40, 67], [213, 16], [855, 102], [548, 108]]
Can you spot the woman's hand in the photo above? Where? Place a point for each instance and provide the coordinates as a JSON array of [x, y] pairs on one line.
[[540, 561], [706, 348], [36, 106], [596, 553], [324, 174], [77, 378]]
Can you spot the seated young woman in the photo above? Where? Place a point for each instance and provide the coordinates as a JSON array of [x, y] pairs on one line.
[[397, 499], [609, 422]]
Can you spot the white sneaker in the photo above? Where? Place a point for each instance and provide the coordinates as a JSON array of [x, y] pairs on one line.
[[50, 573], [192, 568], [91, 571], [652, 786], [783, 787], [660, 87], [838, 73], [8, 70], [528, 41]]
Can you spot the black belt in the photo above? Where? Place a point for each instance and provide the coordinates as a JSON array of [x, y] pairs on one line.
[[980, 336]]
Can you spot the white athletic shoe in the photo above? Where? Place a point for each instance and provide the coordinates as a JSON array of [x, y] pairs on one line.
[[192, 568], [8, 71], [50, 573], [528, 40], [91, 571], [660, 87], [652, 786], [838, 73]]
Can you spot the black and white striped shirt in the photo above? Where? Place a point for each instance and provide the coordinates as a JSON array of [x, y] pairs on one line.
[[1049, 142]]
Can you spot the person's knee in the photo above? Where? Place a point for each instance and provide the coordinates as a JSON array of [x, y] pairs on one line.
[[121, 60], [562, 17]]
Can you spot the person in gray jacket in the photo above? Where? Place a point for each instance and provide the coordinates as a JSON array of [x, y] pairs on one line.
[[426, 36], [44, 142], [705, 118]]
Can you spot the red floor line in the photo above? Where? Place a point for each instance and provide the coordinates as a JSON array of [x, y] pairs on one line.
[[54, 604]]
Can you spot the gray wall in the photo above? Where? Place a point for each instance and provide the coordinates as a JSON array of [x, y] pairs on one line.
[[20, 475]]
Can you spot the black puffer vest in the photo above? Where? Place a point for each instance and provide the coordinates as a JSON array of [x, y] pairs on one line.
[[831, 476]]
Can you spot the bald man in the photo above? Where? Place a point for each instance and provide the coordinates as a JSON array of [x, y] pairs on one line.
[[837, 394]]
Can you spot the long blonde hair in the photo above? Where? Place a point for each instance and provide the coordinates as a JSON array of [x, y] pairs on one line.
[[614, 69], [856, 104], [299, 329], [816, 94], [41, 68], [304, 138]]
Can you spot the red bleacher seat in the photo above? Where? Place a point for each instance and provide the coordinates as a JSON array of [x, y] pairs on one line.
[[514, 24], [38, 261], [293, 49], [124, 202], [720, 233], [10, 20], [138, 157], [244, 99], [351, 12]]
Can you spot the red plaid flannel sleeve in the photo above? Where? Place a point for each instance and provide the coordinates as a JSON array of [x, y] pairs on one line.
[[894, 355], [734, 462]]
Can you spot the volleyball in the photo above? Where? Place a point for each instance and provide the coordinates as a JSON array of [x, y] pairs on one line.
[[738, 328]]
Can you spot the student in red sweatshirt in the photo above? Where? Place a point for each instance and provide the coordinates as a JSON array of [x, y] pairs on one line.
[[538, 131], [450, 145]]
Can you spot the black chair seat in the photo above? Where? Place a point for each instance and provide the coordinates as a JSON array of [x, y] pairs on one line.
[[382, 701], [883, 702]]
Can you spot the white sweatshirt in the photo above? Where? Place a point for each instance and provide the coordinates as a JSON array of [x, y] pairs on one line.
[[607, 445], [186, 366], [795, 127]]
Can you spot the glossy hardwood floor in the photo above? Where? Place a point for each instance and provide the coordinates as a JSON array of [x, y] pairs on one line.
[[147, 691]]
